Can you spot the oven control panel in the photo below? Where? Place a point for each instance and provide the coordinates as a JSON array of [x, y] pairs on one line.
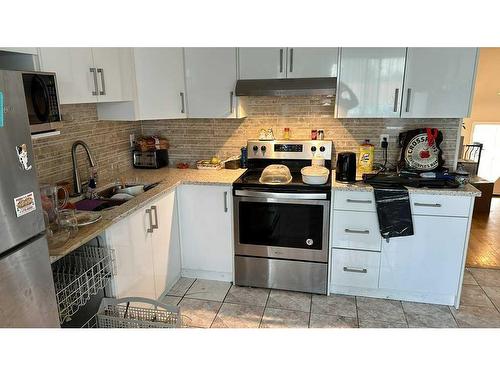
[[289, 149]]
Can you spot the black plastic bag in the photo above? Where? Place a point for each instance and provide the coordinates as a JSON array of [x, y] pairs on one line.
[[393, 211]]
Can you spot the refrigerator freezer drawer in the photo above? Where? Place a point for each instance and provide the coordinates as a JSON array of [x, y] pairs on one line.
[[27, 296]]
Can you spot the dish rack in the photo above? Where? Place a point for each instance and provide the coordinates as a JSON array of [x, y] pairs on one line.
[[136, 312], [80, 275]]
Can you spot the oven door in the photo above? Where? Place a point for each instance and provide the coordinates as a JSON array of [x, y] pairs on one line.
[[282, 225]]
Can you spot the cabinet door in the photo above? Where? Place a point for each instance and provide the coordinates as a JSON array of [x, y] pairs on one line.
[[75, 80], [370, 82], [134, 256], [160, 83], [430, 261], [438, 82], [206, 230], [312, 62], [262, 63], [210, 82], [110, 63], [166, 246]]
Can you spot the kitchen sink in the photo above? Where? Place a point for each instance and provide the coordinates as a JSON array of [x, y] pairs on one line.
[[104, 201]]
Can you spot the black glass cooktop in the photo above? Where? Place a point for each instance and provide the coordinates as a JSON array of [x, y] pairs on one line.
[[250, 180]]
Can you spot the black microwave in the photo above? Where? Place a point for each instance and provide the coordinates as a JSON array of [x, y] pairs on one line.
[[42, 102]]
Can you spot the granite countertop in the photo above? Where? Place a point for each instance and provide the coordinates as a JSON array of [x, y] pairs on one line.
[[169, 179], [359, 185]]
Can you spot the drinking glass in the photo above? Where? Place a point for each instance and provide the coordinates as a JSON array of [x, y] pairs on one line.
[[68, 220]]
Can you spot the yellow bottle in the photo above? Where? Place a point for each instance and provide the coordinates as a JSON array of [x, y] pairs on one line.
[[366, 155]]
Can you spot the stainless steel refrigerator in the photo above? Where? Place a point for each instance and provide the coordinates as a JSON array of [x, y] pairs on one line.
[[27, 296]]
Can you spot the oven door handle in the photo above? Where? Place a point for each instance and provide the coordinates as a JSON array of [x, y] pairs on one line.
[[265, 194]]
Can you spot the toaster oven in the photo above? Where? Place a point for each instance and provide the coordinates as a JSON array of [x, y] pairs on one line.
[[150, 159]]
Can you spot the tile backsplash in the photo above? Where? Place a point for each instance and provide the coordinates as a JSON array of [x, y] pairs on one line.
[[107, 140], [194, 139]]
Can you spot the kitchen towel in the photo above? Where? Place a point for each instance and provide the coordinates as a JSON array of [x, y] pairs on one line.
[[393, 210]]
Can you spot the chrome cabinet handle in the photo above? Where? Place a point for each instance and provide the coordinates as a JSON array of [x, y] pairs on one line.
[[150, 213], [103, 83], [93, 71], [183, 108], [357, 231], [281, 60], [396, 100], [427, 204], [155, 225], [408, 97], [225, 201], [291, 60], [231, 96], [355, 269], [358, 201]]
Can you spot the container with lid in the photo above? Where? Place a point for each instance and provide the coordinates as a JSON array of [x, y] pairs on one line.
[[275, 174], [315, 175]]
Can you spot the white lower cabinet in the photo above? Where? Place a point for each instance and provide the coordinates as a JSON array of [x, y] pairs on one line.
[[147, 258], [430, 261], [425, 267], [205, 216], [355, 268]]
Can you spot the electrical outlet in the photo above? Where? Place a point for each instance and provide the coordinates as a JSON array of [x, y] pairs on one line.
[[132, 140], [382, 136]]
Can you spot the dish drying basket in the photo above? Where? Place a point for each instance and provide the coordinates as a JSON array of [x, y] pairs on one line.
[[137, 312], [80, 275]]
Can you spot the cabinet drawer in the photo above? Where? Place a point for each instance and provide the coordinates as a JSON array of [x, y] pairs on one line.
[[354, 200], [356, 230], [439, 205], [355, 268]]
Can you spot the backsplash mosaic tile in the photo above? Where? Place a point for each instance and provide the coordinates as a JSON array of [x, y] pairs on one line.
[[194, 139], [107, 140]]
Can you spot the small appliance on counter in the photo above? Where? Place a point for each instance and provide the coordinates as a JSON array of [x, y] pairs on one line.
[[346, 167], [150, 152]]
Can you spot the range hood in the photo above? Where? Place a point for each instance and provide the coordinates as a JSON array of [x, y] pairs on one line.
[[286, 87]]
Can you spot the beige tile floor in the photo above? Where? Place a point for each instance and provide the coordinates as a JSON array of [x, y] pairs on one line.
[[217, 304]]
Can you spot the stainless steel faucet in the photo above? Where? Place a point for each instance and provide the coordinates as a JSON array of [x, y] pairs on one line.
[[76, 175]]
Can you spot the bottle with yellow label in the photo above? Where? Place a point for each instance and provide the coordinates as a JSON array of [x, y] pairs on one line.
[[366, 155]]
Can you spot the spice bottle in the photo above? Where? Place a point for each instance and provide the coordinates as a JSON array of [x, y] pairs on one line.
[[286, 133]]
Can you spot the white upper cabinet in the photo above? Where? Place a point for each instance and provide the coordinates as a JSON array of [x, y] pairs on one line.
[[74, 68], [370, 82], [87, 75], [159, 74], [110, 63], [312, 62], [438, 82], [210, 81], [268, 63], [262, 63]]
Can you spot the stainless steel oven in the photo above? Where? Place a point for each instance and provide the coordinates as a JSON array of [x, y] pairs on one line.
[[281, 240], [282, 228]]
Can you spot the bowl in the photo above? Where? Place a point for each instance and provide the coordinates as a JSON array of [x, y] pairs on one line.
[[315, 175], [275, 174], [132, 190]]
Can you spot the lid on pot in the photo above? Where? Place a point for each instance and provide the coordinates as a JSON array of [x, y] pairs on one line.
[[275, 174], [315, 171]]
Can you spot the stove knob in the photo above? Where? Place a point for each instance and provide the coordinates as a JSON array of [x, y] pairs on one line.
[[263, 149], [322, 148], [255, 148], [313, 148]]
